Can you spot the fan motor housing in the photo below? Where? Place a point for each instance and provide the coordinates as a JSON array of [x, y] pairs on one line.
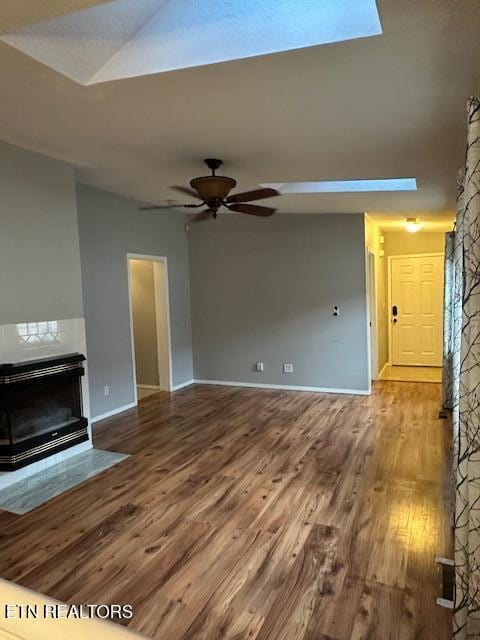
[[213, 187]]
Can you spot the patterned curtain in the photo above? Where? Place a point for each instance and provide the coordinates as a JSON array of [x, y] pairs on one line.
[[457, 310], [466, 392], [448, 322]]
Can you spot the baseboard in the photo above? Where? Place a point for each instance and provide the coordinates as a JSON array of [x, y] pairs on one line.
[[229, 383], [113, 412], [154, 387], [286, 387], [187, 383], [382, 370]]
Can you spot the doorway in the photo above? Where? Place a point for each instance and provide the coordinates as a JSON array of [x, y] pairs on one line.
[[415, 291], [149, 324]]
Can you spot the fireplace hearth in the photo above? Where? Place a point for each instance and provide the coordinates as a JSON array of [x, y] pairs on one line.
[[40, 409]]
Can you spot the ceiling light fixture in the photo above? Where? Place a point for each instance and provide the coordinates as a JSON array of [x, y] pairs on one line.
[[411, 225]]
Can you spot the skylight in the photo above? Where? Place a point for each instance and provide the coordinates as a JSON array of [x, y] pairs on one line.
[[127, 38], [345, 186]]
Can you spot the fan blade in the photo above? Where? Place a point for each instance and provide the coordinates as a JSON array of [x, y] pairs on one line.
[[258, 194], [203, 215], [186, 190], [252, 209]]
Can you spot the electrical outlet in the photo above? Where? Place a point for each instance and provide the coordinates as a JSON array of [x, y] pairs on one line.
[[336, 311], [106, 390], [259, 366], [287, 367]]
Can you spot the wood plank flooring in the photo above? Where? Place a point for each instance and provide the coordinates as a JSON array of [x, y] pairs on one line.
[[255, 514], [411, 374]]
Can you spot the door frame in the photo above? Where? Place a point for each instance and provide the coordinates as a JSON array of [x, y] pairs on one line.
[[437, 254], [166, 302], [372, 294]]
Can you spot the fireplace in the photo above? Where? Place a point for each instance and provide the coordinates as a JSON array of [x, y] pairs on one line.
[[40, 409]]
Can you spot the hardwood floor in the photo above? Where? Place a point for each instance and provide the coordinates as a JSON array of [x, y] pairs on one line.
[[255, 514], [411, 374]]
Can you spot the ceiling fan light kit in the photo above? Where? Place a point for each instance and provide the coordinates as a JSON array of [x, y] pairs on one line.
[[213, 192], [213, 187]]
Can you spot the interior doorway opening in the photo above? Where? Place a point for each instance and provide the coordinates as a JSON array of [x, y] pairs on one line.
[[405, 272], [149, 324]]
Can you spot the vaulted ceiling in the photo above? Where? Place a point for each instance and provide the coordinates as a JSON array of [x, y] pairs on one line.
[[388, 106], [130, 38]]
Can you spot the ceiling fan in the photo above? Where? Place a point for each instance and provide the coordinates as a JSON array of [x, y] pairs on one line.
[[213, 192]]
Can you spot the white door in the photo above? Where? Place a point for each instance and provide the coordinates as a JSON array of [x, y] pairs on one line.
[[416, 312]]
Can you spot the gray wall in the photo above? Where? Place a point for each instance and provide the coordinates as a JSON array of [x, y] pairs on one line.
[[264, 289], [110, 227], [144, 317], [40, 277]]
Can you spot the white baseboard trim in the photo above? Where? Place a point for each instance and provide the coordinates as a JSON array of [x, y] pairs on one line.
[[187, 383], [113, 412], [154, 387], [379, 377], [229, 383], [286, 387]]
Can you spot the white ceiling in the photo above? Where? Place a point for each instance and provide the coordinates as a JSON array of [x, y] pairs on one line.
[[80, 44], [130, 38], [385, 107]]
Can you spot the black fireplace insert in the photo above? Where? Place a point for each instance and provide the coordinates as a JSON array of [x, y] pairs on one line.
[[40, 409]]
